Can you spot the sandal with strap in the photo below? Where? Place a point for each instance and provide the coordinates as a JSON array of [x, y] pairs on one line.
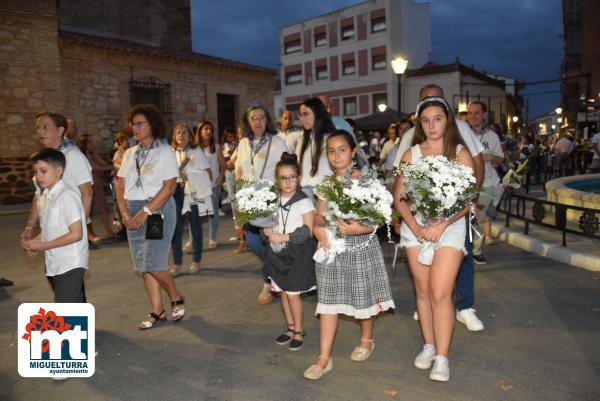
[[361, 354], [315, 372], [178, 310], [152, 319], [295, 345], [284, 338]]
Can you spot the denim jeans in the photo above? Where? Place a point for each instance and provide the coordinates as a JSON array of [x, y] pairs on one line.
[[195, 230], [214, 219], [254, 241], [464, 291]]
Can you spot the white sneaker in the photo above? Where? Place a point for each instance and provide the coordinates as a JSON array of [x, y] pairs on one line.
[[425, 357], [469, 319], [416, 315], [221, 213], [441, 370]]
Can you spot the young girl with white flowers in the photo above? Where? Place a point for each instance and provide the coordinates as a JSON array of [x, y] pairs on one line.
[[289, 253], [356, 282], [436, 134]]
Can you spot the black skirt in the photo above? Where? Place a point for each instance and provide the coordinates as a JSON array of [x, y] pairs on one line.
[[293, 268]]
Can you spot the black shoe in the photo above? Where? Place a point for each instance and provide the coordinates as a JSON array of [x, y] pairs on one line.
[[295, 345], [284, 338], [479, 259], [5, 283]]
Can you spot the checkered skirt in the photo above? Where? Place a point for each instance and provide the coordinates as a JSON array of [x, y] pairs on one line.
[[356, 283]]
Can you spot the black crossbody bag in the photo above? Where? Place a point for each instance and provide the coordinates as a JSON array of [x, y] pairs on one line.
[[154, 222]]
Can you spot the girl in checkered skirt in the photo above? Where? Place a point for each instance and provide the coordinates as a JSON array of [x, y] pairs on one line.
[[356, 282]]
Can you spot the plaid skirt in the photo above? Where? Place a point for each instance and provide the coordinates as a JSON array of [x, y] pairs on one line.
[[356, 283]]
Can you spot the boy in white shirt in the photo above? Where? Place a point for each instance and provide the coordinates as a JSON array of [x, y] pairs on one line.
[[63, 236]]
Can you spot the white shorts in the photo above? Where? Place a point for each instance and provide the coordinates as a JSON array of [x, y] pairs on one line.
[[453, 236]]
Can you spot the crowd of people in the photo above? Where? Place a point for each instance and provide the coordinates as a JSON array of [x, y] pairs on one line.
[[161, 180]]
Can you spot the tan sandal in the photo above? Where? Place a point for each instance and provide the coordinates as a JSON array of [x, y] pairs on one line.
[[361, 354], [315, 372]]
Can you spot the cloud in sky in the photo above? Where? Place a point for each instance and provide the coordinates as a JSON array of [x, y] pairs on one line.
[[516, 38]]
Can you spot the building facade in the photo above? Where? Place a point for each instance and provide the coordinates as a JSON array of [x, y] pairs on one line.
[[93, 61], [346, 54], [580, 68]]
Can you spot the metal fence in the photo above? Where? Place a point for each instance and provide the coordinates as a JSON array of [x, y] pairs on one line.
[[549, 214]]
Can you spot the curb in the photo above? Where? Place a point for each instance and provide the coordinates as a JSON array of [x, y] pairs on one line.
[[546, 249]]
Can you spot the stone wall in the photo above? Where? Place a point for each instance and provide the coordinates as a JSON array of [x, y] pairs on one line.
[[39, 71], [30, 81]]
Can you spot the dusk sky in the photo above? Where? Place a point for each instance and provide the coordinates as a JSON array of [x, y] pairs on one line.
[[515, 38]]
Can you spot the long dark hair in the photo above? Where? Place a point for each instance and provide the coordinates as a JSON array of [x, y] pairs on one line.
[[322, 126], [451, 136], [198, 135]]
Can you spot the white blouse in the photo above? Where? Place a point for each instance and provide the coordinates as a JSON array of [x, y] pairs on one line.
[[156, 165], [252, 167], [324, 168]]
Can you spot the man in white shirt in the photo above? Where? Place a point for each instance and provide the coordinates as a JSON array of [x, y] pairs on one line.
[[564, 150], [596, 151], [465, 282], [492, 156], [51, 128], [290, 134]]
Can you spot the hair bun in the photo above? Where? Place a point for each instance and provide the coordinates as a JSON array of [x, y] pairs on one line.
[[289, 157]]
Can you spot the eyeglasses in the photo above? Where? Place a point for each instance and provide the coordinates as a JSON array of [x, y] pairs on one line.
[[288, 178], [257, 118], [137, 124]]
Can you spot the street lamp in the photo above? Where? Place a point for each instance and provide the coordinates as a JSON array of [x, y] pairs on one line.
[[399, 65], [382, 107], [559, 120], [558, 110], [515, 119]]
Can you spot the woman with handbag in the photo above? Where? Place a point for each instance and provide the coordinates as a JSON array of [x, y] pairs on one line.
[[257, 156], [147, 181]]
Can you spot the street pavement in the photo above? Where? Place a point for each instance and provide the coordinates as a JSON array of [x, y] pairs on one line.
[[541, 337]]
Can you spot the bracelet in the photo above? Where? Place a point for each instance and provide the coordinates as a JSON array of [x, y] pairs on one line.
[[147, 210]]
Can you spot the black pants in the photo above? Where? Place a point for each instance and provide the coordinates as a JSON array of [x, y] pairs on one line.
[[68, 287]]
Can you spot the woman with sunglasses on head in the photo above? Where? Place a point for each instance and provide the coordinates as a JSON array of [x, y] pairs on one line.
[[316, 126]]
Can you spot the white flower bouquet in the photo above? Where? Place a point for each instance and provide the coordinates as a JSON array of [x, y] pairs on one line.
[[514, 177], [363, 199], [256, 200], [437, 189]]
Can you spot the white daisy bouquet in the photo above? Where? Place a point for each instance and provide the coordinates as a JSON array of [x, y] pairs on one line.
[[256, 201], [363, 199], [437, 188]]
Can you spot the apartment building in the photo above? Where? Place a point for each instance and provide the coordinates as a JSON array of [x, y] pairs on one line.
[[346, 55]]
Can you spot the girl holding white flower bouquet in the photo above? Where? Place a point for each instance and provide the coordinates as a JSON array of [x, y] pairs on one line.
[[291, 246], [435, 185], [355, 283]]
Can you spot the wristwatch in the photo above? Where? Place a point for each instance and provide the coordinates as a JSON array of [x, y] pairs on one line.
[[147, 210]]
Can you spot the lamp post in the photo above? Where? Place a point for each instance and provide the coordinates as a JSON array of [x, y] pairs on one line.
[[399, 65], [515, 120], [382, 107]]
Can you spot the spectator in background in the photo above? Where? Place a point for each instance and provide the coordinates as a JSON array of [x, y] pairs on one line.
[[463, 116], [205, 139], [290, 134], [100, 169], [229, 143], [595, 164], [563, 149]]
